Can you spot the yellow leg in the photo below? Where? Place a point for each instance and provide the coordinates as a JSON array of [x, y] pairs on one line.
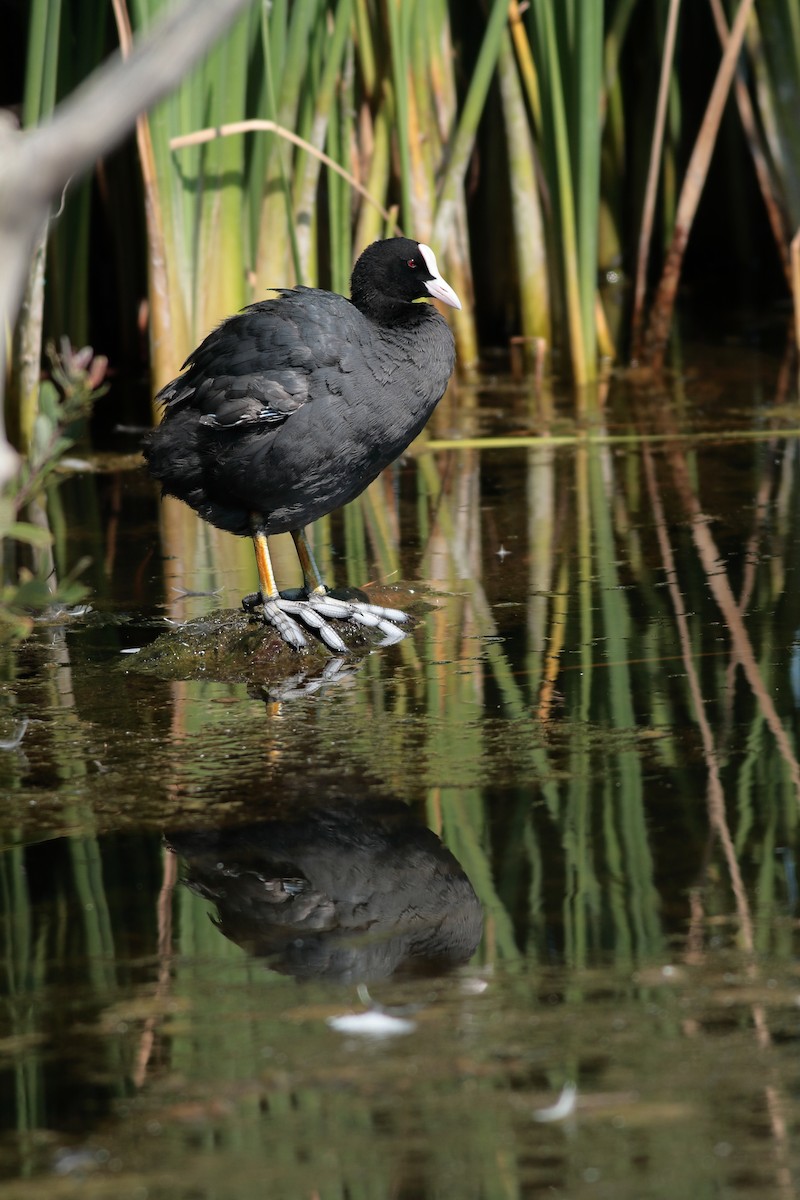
[[266, 575], [311, 572]]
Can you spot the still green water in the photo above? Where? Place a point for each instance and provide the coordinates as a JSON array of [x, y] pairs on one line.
[[546, 845]]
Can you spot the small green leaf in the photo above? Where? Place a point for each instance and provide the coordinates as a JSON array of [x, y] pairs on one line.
[[49, 402], [32, 535], [33, 593]]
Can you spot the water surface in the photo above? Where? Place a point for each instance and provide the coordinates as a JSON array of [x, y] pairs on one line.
[[547, 843]]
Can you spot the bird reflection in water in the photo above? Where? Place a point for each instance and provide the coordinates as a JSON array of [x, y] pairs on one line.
[[352, 892]]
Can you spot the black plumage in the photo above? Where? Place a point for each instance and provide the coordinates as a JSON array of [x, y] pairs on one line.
[[291, 408]]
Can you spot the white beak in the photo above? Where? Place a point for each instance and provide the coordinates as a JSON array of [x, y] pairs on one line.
[[441, 290], [437, 286]]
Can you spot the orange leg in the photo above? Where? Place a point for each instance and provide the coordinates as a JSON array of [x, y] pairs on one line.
[[266, 575]]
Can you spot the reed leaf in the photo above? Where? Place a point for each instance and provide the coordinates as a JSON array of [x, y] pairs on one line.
[[529, 234], [586, 126], [774, 49], [466, 129], [398, 20], [219, 284], [557, 159], [272, 267]]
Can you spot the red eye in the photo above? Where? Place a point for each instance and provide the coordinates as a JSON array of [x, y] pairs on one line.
[[412, 262]]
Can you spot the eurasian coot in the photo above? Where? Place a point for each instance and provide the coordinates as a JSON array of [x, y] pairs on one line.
[[290, 408]]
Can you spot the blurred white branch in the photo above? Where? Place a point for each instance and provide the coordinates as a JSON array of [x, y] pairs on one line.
[[38, 163]]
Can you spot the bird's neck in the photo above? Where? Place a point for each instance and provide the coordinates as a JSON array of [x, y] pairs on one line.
[[384, 310]]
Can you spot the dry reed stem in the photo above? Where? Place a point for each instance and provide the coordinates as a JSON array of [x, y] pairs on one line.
[[527, 68], [794, 257], [651, 188], [255, 125], [754, 142], [694, 181]]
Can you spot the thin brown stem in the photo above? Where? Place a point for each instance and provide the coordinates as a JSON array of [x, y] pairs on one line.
[[694, 181], [777, 219], [258, 126], [794, 256], [651, 189]]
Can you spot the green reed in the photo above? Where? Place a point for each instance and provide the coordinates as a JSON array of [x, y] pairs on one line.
[[384, 91]]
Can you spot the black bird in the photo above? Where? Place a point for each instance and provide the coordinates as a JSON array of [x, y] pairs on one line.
[[291, 408]]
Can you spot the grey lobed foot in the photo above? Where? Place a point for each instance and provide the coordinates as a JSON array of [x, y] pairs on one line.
[[316, 609], [280, 613], [371, 616]]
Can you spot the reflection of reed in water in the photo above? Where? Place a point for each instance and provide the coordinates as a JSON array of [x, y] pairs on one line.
[[348, 892]]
